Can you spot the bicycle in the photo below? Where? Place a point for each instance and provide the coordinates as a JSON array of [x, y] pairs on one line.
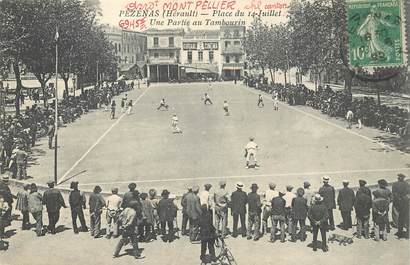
[[223, 254]]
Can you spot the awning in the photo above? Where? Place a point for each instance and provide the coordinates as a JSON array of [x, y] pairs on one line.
[[198, 70]]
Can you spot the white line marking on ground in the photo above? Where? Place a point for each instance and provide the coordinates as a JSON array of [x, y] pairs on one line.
[[98, 140], [256, 176], [330, 123]]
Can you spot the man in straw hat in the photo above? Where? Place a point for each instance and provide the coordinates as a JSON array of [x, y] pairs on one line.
[[318, 216]]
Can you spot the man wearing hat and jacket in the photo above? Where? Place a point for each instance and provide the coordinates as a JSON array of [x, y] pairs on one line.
[[131, 195], [400, 191], [266, 213], [185, 217], [193, 208], [385, 193], [363, 205], [345, 200], [53, 200], [5, 192], [35, 207], [239, 199], [22, 206], [254, 212], [380, 212], [113, 211], [278, 216], [77, 203], [221, 202], [318, 216], [327, 192]]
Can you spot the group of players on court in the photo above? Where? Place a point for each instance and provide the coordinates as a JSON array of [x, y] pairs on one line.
[[250, 149]]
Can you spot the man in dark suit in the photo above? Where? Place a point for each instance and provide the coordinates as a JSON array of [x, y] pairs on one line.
[[131, 195], [318, 216], [345, 200], [53, 200], [299, 214], [363, 204], [327, 192], [239, 199], [400, 191]]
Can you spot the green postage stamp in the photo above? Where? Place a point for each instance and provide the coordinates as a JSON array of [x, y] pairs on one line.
[[376, 31]]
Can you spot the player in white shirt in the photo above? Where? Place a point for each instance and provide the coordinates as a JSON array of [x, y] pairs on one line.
[[207, 99], [113, 211], [260, 101], [226, 108], [275, 100], [269, 195], [174, 124], [250, 151], [349, 118], [162, 104]]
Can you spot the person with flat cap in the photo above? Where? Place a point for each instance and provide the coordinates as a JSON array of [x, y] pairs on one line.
[[384, 192], [77, 203], [239, 199], [299, 213], [362, 206], [266, 212], [193, 208], [221, 202], [96, 204], [278, 216], [318, 216], [53, 200], [113, 211], [401, 191], [380, 213], [328, 194], [254, 212], [345, 200], [35, 207]]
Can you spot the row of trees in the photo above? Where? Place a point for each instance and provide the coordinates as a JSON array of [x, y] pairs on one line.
[[27, 41], [314, 40]]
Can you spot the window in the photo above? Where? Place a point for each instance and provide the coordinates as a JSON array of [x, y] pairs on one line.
[[171, 41], [227, 59], [236, 43], [125, 60], [236, 33], [227, 43], [156, 55], [200, 56], [119, 47], [156, 41], [227, 34], [211, 56], [190, 56], [237, 58], [115, 47], [171, 55]]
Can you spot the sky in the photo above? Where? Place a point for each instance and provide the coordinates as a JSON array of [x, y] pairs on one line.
[[111, 11]]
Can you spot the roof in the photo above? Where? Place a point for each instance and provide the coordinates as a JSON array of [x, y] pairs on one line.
[[207, 34], [153, 31]]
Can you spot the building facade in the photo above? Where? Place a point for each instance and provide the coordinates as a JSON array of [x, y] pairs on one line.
[[200, 55], [164, 53], [232, 52], [131, 50]]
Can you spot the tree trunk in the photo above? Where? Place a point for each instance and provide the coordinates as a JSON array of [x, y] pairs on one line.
[[263, 71], [43, 89], [16, 69], [378, 96], [65, 79], [271, 76], [285, 73], [348, 81]]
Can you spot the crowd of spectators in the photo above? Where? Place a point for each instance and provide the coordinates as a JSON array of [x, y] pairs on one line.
[[391, 119], [280, 214], [19, 133]]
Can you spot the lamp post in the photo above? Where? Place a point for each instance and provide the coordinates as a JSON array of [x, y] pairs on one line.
[[56, 111]]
